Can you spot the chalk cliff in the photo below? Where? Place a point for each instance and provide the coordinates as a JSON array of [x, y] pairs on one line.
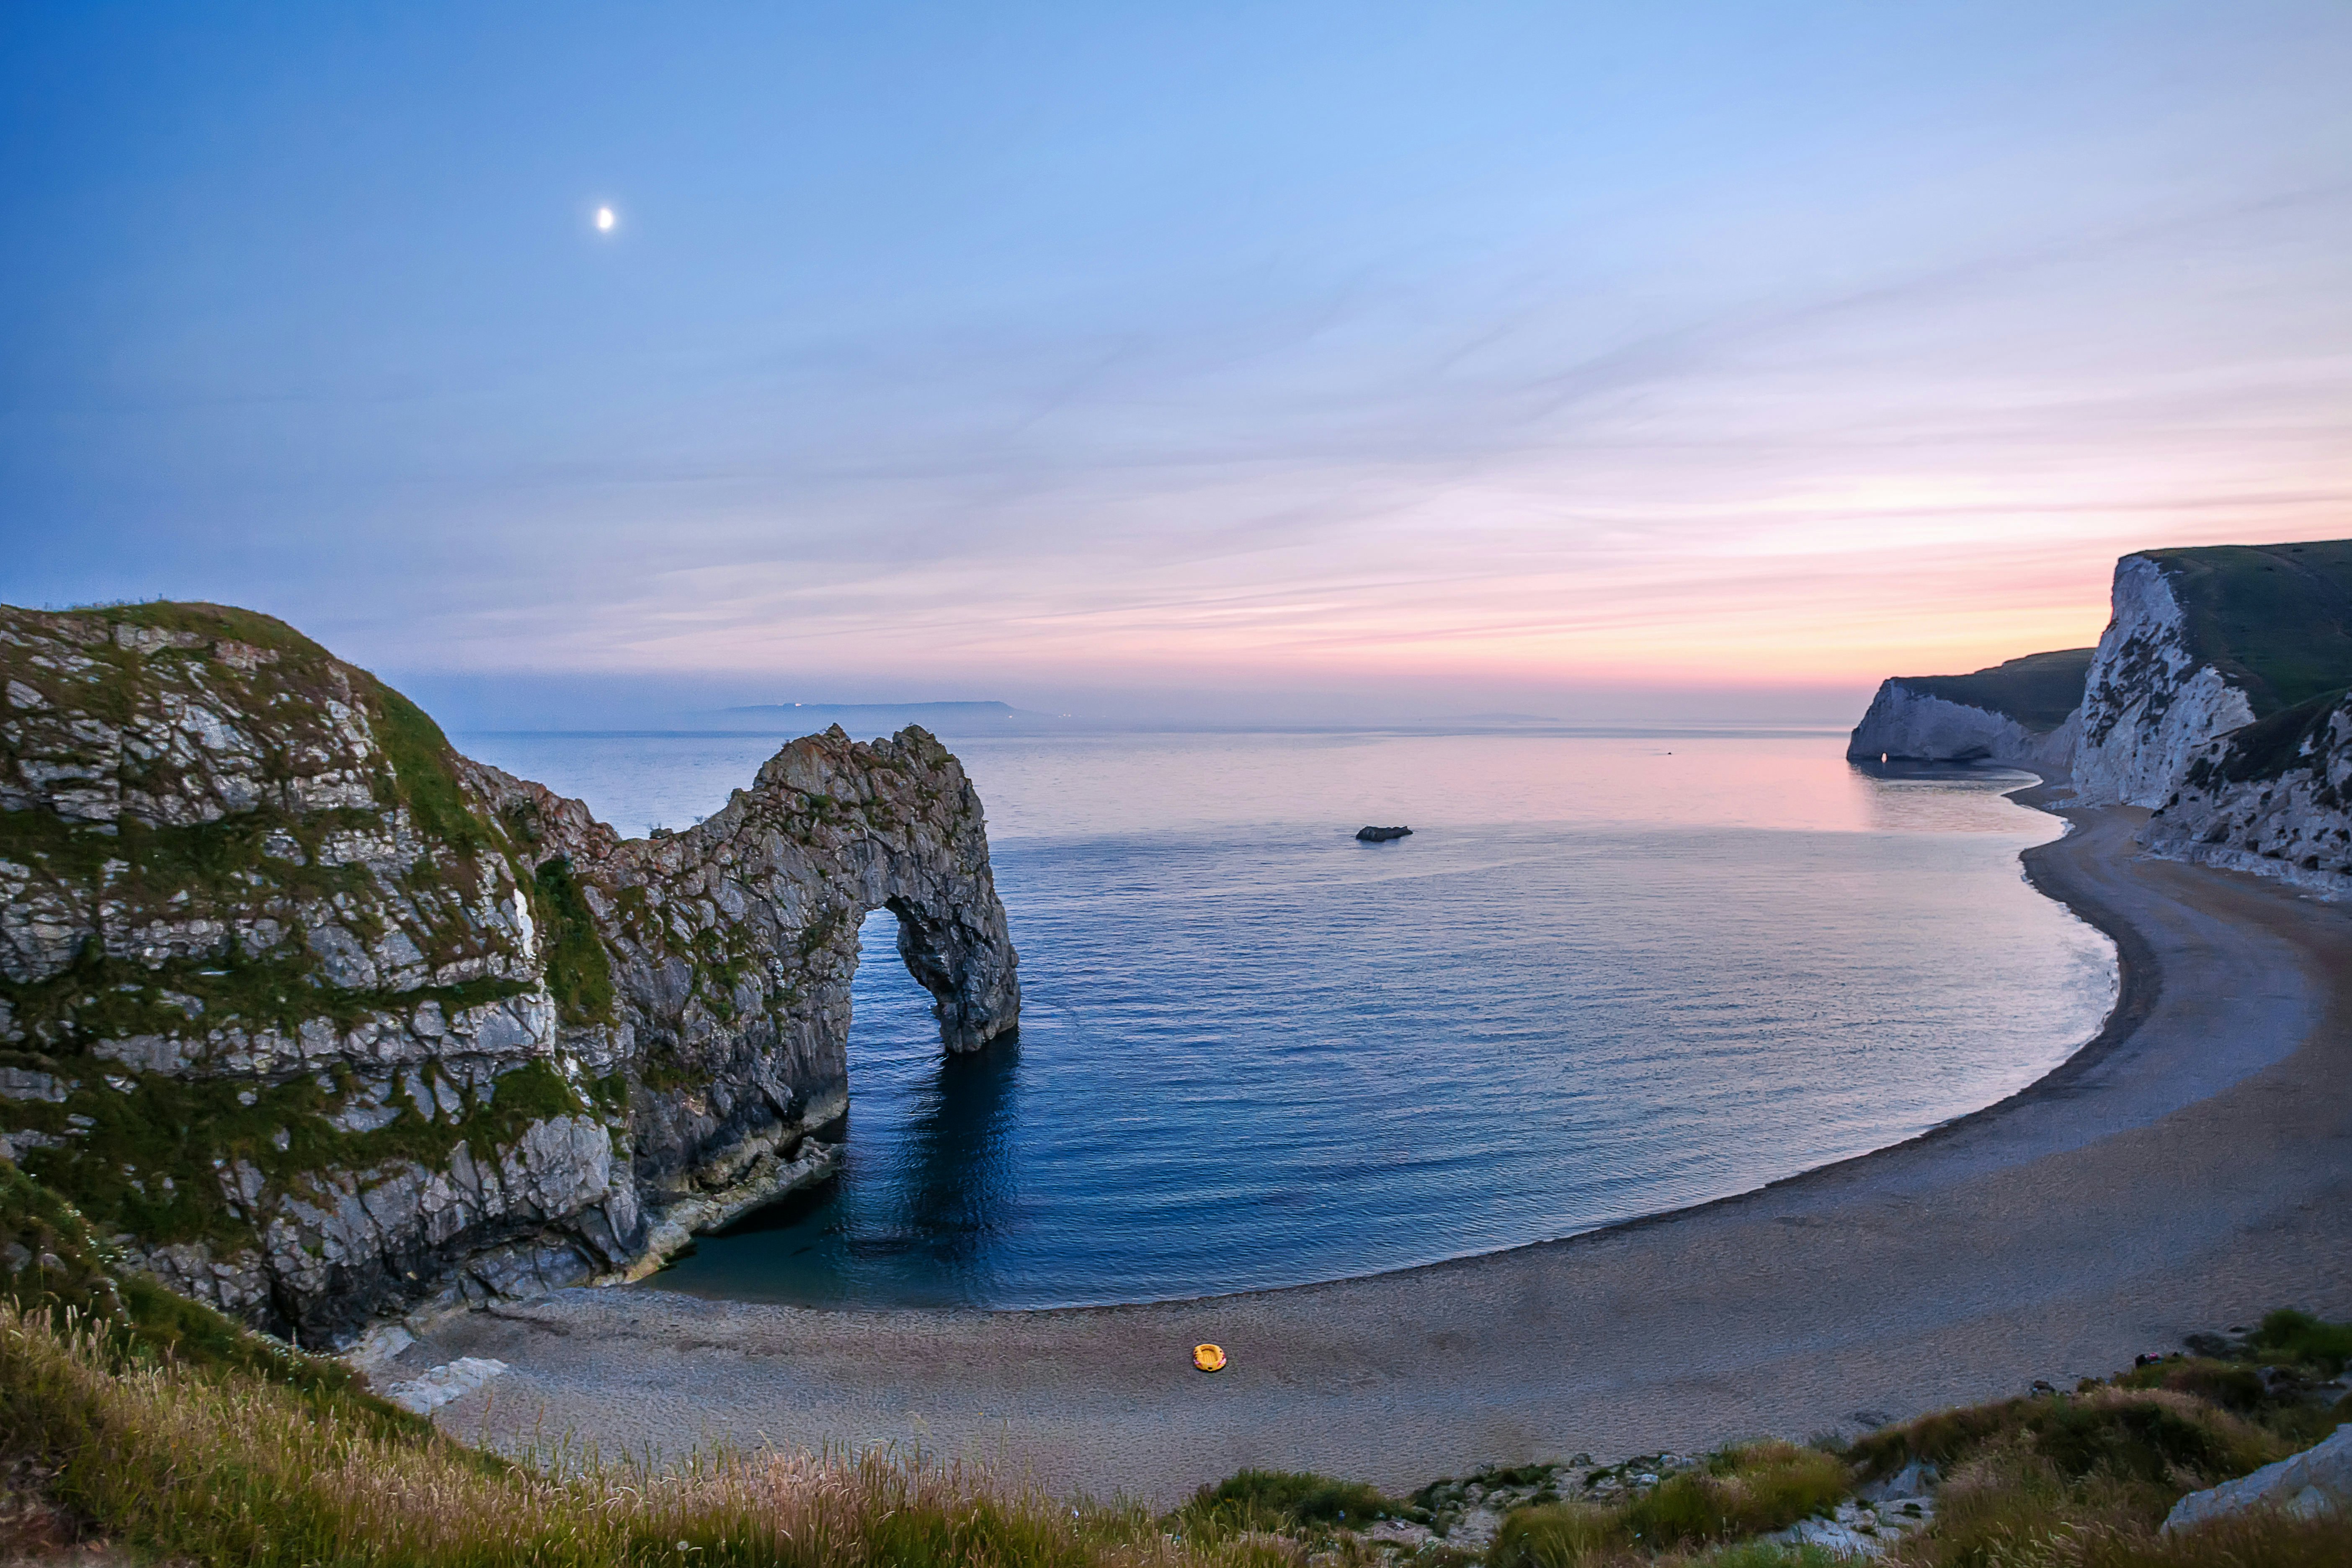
[[2203, 642], [2023, 713], [2151, 698], [2274, 798], [317, 1016]]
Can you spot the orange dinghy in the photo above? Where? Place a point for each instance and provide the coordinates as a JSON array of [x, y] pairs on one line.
[[1209, 1358]]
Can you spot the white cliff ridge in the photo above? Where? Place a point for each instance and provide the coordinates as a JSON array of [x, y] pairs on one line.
[[2150, 701]]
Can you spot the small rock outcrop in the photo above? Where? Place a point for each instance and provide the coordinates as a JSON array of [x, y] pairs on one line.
[[1381, 835], [316, 1018], [2316, 1482]]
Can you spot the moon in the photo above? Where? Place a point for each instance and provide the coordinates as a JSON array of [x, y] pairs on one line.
[[604, 220]]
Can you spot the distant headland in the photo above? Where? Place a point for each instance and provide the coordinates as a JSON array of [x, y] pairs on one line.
[[2220, 697]]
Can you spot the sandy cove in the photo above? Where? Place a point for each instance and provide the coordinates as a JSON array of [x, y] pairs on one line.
[[2189, 1169]]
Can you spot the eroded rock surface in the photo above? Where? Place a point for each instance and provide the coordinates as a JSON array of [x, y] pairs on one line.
[[2152, 698], [2273, 798], [316, 1018]]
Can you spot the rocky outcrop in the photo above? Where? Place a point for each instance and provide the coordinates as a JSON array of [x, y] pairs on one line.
[[2273, 798], [2315, 1482], [2152, 698], [317, 1016], [2022, 714]]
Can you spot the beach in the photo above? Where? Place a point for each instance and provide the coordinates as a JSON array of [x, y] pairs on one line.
[[2188, 1170]]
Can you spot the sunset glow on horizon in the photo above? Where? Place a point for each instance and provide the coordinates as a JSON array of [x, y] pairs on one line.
[[1285, 360]]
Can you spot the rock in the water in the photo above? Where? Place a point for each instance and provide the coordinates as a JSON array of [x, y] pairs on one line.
[[323, 1018], [1381, 835], [2316, 1481]]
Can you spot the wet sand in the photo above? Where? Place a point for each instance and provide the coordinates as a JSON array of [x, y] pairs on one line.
[[2189, 1169]]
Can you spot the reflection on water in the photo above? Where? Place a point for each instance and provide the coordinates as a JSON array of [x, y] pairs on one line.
[[1604, 977]]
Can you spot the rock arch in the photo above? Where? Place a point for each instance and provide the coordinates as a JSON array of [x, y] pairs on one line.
[[733, 942]]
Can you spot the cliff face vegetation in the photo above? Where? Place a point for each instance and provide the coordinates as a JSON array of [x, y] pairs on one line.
[[313, 1016]]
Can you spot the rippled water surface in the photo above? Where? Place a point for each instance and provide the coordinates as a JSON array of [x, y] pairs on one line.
[[1604, 977]]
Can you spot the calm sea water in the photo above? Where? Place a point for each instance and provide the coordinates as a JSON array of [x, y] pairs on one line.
[[1604, 978]]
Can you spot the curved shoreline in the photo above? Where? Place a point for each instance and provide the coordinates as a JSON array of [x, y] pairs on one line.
[[2182, 1167]]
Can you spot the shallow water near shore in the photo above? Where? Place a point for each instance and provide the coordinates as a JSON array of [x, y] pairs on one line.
[[1604, 977]]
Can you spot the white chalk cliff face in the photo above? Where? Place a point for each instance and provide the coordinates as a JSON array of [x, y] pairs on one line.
[[2150, 704], [315, 1017], [2275, 799], [1908, 725]]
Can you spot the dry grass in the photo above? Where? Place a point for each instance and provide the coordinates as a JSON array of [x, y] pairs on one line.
[[2010, 1506], [227, 1468]]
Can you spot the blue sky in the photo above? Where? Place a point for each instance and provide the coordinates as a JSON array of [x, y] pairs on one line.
[[1301, 359]]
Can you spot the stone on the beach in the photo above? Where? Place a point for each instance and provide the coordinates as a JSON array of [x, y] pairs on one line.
[[1913, 1480], [1860, 1529], [428, 1392], [2317, 1480]]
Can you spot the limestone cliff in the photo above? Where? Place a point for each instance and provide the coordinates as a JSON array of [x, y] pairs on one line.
[[2274, 798], [317, 1016], [2023, 713], [2151, 701], [2203, 642]]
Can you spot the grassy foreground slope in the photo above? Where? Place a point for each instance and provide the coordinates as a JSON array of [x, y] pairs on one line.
[[2276, 618], [178, 1435], [2038, 691]]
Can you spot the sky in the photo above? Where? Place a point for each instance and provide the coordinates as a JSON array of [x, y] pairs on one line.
[[1705, 362]]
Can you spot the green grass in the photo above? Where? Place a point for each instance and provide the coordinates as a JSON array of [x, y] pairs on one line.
[[2038, 691], [1276, 1499], [579, 971], [2151, 1433], [1744, 1491], [147, 1160], [2290, 1335], [1562, 1535], [70, 1279], [2277, 618], [424, 777]]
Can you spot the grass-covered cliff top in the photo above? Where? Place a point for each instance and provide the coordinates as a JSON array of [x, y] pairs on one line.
[[2038, 691], [2276, 618]]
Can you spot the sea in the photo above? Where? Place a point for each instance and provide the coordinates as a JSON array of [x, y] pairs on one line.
[[1606, 976]]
